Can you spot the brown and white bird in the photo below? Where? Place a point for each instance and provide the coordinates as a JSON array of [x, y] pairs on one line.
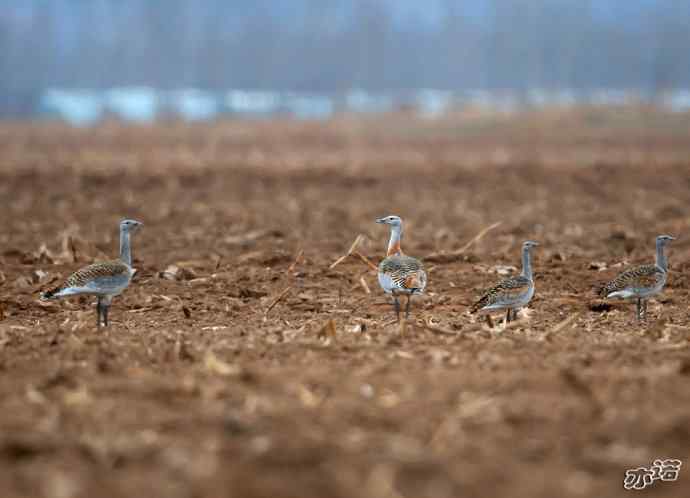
[[400, 274], [512, 293], [105, 279], [641, 282]]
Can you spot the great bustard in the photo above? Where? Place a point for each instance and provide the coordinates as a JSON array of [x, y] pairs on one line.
[[641, 282], [398, 273], [105, 279], [512, 293]]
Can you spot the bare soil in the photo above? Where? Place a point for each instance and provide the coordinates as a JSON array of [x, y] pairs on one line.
[[214, 380]]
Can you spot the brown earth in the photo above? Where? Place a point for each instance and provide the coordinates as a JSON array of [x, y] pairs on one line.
[[199, 390]]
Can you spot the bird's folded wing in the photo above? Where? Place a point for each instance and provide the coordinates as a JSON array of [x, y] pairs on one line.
[[637, 277], [104, 274], [506, 291]]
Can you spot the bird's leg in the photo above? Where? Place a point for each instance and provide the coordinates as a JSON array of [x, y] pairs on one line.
[[106, 307], [508, 315], [98, 312], [639, 309], [644, 309], [407, 306], [489, 321], [396, 306]]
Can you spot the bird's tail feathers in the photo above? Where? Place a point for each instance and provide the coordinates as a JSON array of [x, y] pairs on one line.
[[478, 305], [50, 294], [601, 289]]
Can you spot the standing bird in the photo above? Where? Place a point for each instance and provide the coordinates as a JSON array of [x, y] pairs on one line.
[[398, 273], [641, 282], [105, 279], [512, 293]]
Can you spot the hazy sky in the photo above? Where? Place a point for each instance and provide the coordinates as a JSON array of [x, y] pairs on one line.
[[333, 46]]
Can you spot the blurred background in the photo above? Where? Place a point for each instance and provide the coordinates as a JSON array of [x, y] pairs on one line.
[[81, 60]]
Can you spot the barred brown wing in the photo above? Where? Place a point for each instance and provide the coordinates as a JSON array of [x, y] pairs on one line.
[[644, 276], [506, 291], [91, 274]]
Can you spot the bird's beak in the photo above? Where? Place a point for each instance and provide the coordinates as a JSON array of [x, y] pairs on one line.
[[381, 220]]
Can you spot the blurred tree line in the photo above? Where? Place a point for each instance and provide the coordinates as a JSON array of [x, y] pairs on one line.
[[332, 45]]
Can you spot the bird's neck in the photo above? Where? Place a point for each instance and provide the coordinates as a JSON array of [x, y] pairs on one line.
[[125, 248], [526, 263], [661, 260], [394, 242]]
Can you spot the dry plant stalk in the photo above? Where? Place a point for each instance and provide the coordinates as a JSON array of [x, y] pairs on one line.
[[478, 237], [277, 299], [69, 248], [428, 325], [473, 241], [562, 324], [354, 245], [364, 285], [328, 331], [366, 260], [673, 347], [572, 300], [246, 238], [520, 322], [215, 365], [352, 252], [298, 259], [338, 261]]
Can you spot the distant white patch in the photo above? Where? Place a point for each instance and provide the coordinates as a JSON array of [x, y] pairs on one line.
[[132, 103]]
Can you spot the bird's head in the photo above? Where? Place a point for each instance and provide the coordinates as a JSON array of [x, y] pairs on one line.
[[130, 226], [393, 221]]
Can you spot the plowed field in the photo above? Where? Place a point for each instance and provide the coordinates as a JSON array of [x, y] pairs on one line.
[[239, 363]]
